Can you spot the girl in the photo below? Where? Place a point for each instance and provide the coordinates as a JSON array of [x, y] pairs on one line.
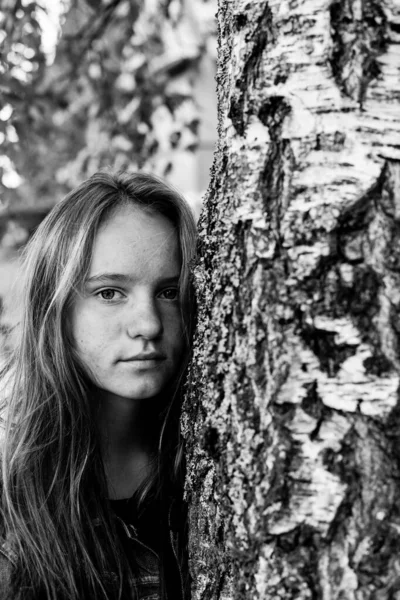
[[91, 461]]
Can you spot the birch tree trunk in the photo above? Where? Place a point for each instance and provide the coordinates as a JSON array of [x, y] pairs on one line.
[[292, 417]]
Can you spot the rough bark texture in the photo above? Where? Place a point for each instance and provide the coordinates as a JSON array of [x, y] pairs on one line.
[[292, 415]]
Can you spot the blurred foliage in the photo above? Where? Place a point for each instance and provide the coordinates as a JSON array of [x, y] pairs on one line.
[[120, 92], [22, 65]]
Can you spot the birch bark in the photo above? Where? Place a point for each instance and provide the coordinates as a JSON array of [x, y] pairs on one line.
[[291, 417]]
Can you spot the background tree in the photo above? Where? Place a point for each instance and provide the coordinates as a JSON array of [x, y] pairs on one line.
[[291, 417], [121, 92], [22, 64]]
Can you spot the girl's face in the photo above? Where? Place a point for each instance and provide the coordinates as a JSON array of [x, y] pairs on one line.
[[125, 321]]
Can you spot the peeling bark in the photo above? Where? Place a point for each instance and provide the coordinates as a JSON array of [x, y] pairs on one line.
[[292, 416]]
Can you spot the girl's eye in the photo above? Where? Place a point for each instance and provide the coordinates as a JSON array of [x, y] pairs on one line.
[[170, 294], [108, 294]]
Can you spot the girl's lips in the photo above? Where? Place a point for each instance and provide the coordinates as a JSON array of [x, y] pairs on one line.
[[148, 356], [144, 362]]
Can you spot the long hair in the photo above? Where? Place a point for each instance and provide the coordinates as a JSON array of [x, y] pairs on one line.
[[53, 482]]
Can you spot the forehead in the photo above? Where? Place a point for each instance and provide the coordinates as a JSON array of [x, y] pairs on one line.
[[134, 238]]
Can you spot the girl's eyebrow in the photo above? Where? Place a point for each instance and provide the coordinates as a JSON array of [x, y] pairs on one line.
[[121, 278], [102, 277]]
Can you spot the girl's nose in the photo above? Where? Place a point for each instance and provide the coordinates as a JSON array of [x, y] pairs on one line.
[[144, 320]]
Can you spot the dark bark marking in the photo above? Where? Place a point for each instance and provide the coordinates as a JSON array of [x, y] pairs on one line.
[[332, 461], [354, 242], [357, 45], [329, 141], [330, 354], [389, 192], [236, 113], [211, 443], [284, 411], [393, 249], [378, 365], [395, 27], [395, 322], [369, 510], [393, 433], [282, 76], [279, 164], [240, 21], [343, 465], [361, 302], [273, 111], [261, 33], [300, 546], [357, 215], [313, 405]]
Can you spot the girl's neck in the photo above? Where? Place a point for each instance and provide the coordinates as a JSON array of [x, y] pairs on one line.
[[128, 437], [125, 424]]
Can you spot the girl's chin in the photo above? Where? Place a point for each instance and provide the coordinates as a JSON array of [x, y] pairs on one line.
[[137, 393]]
